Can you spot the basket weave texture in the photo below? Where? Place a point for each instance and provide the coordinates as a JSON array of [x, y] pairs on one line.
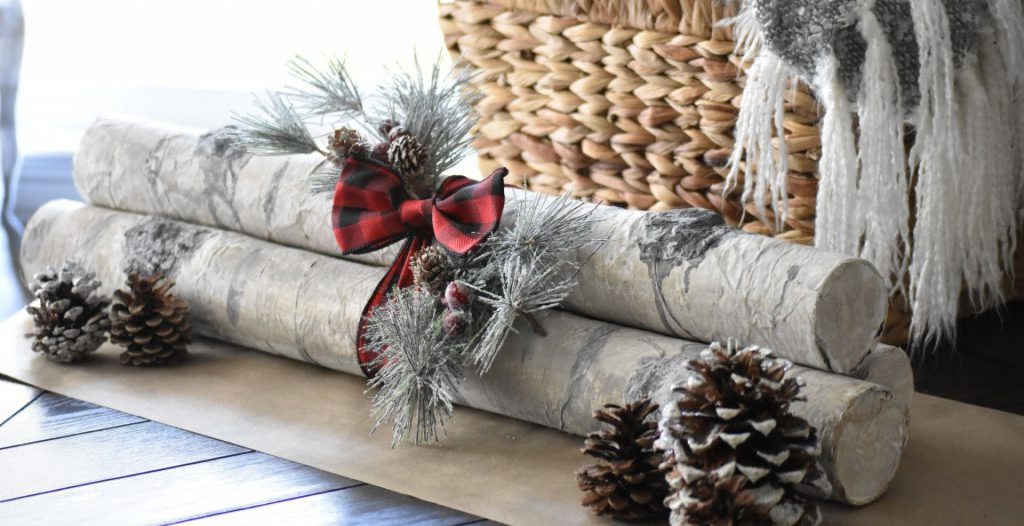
[[629, 102]]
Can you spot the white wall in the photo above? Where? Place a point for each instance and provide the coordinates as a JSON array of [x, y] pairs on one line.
[[194, 61]]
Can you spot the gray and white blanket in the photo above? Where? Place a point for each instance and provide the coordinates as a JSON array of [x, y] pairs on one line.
[[949, 72]]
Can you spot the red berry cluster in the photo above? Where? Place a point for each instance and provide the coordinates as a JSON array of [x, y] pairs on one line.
[[457, 299]]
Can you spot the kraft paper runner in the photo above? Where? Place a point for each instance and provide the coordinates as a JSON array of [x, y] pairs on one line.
[[964, 464]]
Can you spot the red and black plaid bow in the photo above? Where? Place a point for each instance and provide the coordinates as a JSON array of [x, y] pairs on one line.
[[372, 210]]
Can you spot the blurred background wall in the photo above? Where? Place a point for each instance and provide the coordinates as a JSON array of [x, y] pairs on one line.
[[194, 61], [191, 62]]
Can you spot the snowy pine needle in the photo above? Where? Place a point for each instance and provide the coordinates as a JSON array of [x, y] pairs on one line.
[[435, 106], [275, 129], [421, 366], [551, 230], [437, 109], [330, 90], [526, 286], [324, 179], [532, 267]]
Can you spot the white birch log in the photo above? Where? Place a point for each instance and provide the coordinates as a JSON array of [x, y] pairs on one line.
[[682, 273], [306, 306], [182, 173], [890, 368], [686, 273]]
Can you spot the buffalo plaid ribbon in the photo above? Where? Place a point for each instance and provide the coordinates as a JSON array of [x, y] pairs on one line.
[[372, 210]]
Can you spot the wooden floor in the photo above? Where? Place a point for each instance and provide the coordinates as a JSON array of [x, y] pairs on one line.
[[65, 461]]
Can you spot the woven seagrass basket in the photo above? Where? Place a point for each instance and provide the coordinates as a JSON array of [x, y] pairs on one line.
[[629, 102]]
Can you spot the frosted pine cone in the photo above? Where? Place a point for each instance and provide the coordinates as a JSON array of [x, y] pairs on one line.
[[70, 320], [738, 453], [341, 143], [408, 157], [433, 269], [150, 322], [629, 480]]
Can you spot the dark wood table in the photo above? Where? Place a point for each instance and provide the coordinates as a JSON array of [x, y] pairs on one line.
[[65, 461]]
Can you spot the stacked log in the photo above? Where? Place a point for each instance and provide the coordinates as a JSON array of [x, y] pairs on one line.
[[682, 273], [307, 306]]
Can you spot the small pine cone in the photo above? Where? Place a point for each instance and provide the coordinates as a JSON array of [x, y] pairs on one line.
[[70, 320], [150, 322], [433, 269], [629, 481], [408, 157], [737, 452], [341, 143]]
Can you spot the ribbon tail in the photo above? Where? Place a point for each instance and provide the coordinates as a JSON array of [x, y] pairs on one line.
[[400, 275]]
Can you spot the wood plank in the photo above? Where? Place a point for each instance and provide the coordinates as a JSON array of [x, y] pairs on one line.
[[102, 455], [13, 397], [364, 505], [173, 495], [53, 416]]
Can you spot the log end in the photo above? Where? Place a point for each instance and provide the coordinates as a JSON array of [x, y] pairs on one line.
[[868, 446], [851, 309], [890, 368]]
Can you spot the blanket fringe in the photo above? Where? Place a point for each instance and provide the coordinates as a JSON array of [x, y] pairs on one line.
[[1008, 23], [885, 203], [762, 114], [991, 167], [837, 227], [967, 158]]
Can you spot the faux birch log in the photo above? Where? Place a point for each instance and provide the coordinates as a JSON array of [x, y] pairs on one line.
[[181, 173], [890, 368], [306, 306], [682, 273]]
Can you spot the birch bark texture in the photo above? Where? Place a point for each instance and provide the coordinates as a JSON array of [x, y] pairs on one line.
[[306, 306], [683, 273], [204, 178]]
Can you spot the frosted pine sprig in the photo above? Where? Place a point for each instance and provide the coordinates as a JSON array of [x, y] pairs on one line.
[[532, 267], [326, 90], [525, 288], [550, 230], [276, 128], [436, 107], [420, 365]]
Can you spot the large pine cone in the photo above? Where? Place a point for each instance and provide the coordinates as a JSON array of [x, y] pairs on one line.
[[150, 322], [738, 453], [433, 269], [629, 481], [70, 320]]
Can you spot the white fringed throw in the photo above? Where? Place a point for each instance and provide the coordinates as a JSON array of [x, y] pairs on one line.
[[949, 71]]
